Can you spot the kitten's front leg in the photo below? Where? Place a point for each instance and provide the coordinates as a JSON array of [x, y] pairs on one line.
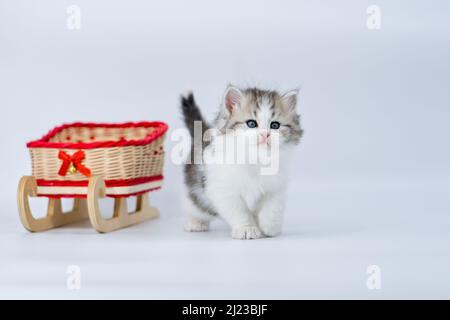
[[270, 216], [235, 213]]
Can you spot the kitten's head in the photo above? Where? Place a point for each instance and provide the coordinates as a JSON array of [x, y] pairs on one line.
[[262, 114]]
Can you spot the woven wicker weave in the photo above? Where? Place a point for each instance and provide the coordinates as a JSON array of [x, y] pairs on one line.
[[113, 151]]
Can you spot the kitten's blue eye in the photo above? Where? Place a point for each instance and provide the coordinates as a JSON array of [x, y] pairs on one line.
[[252, 123], [274, 125]]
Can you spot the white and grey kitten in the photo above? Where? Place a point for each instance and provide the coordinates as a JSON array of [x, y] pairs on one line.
[[251, 203]]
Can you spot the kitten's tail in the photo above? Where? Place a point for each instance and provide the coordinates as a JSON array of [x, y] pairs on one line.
[[191, 113]]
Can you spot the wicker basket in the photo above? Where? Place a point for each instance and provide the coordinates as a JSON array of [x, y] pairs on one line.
[[128, 156]]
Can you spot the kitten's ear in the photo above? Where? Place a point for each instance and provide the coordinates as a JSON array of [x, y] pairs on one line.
[[232, 98], [290, 99]]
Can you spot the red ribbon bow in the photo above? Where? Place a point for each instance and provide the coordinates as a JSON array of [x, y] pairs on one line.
[[75, 159]]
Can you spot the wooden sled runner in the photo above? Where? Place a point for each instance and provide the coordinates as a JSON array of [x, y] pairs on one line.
[[82, 209], [132, 166]]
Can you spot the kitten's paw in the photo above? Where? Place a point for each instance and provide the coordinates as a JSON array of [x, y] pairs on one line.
[[246, 232], [196, 226], [270, 230]]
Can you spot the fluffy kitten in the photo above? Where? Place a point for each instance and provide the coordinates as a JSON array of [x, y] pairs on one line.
[[250, 202]]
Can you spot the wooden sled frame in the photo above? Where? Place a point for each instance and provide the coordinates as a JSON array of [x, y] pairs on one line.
[[82, 209]]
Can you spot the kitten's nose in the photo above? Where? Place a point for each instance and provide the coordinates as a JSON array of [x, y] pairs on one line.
[[264, 137]]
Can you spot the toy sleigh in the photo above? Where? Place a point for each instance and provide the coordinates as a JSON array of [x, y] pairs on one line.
[[89, 161]]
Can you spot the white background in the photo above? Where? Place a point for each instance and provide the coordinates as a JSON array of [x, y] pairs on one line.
[[370, 181]]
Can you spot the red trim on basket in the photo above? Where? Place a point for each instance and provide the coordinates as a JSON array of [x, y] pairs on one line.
[[161, 129], [83, 196], [108, 183], [132, 194]]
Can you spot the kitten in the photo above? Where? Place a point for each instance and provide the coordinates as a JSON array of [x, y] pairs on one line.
[[250, 202]]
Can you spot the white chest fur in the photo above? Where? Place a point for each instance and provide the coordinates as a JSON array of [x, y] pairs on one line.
[[242, 181]]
